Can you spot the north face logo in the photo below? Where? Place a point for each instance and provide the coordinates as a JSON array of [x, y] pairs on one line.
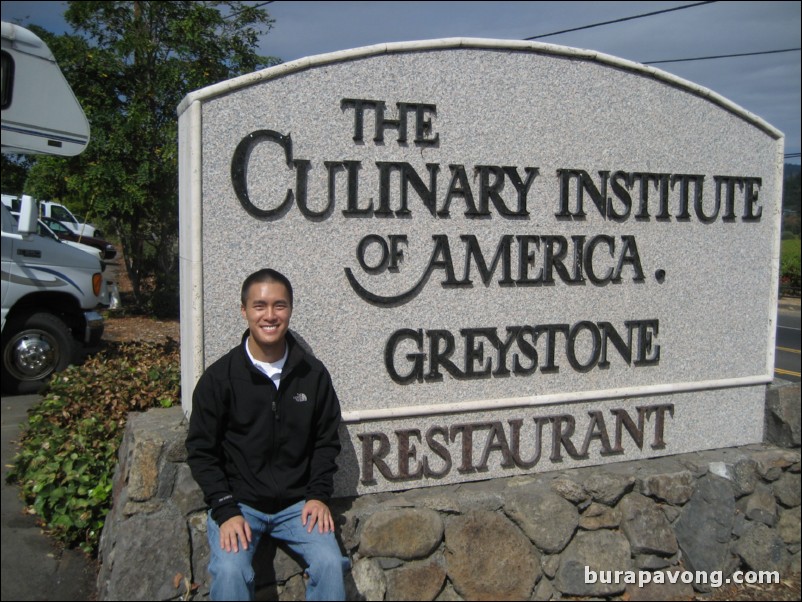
[[300, 397]]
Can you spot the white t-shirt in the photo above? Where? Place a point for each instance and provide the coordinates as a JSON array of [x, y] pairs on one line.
[[271, 369]]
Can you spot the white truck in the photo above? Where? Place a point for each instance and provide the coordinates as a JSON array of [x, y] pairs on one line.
[[59, 212], [50, 291]]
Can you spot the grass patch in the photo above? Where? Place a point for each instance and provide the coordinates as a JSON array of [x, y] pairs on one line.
[[790, 265]]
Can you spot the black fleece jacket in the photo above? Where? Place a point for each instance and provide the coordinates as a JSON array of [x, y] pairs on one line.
[[267, 448]]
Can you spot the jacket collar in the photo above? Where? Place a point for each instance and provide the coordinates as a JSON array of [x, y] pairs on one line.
[[295, 355]]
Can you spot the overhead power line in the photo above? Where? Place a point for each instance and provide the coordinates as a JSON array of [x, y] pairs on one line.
[[234, 14], [663, 61], [721, 56], [621, 20]]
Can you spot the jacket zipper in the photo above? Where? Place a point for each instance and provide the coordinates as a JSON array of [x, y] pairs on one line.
[[276, 432], [275, 405]]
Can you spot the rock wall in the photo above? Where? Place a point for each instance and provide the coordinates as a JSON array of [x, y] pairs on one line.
[[532, 537]]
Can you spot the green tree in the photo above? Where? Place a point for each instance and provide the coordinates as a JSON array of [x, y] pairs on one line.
[[130, 64], [13, 171]]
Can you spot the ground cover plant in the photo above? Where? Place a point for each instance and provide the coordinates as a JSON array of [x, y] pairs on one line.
[[790, 265], [69, 444]]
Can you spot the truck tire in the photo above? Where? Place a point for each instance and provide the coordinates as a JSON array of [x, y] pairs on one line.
[[34, 347]]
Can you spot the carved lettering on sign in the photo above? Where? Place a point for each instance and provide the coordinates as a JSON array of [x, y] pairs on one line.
[[417, 356], [471, 447]]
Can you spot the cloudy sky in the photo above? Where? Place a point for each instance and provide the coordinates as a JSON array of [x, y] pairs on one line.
[[765, 84]]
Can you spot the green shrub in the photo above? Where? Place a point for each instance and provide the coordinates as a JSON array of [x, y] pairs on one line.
[[164, 302], [69, 445], [790, 264]]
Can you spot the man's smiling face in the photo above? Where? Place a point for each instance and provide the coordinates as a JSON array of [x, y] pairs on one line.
[[267, 310]]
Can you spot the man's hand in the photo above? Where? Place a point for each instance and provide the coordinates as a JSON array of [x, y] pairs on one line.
[[234, 529], [316, 512]]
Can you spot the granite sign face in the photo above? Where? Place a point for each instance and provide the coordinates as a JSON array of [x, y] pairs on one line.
[[512, 257]]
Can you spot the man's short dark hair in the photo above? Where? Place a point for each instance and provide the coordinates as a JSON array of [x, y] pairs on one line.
[[263, 276]]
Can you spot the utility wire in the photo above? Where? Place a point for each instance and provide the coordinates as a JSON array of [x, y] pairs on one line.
[[668, 10], [230, 15], [657, 12], [721, 56], [651, 14], [662, 61]]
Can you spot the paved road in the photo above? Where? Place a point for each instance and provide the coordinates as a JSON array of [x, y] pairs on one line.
[[33, 568], [787, 359]]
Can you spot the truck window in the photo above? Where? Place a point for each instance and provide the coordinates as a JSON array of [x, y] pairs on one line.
[[6, 79], [8, 222], [61, 214], [57, 226]]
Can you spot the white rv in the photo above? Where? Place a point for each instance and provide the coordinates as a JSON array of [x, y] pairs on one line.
[[50, 290], [40, 112]]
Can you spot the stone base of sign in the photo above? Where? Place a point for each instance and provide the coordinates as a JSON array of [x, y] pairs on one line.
[[550, 535], [783, 417]]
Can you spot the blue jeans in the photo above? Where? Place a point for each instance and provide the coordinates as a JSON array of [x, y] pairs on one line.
[[233, 575]]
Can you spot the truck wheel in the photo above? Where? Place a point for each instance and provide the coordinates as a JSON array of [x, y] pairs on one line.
[[34, 347]]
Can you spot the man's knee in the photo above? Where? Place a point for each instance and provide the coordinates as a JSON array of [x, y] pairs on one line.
[[232, 565], [327, 561], [232, 579]]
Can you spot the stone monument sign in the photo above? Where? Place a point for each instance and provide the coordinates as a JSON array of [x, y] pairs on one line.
[[512, 257]]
